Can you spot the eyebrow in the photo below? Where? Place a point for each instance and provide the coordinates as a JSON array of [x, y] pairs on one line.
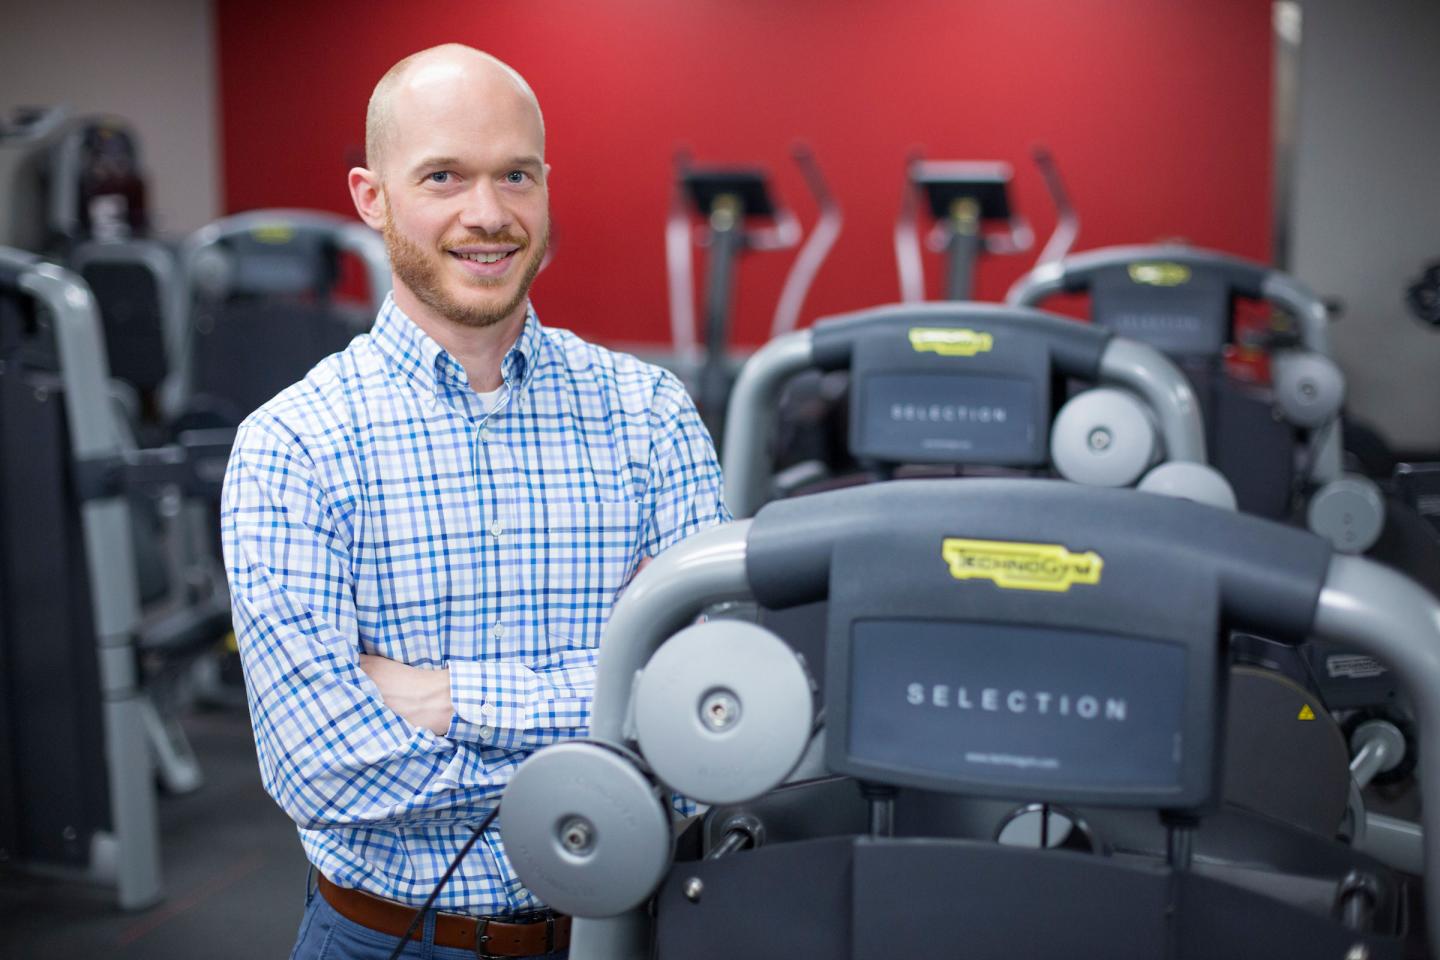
[[433, 163]]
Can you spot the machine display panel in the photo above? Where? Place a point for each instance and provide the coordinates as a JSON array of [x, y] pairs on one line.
[[1189, 318], [947, 705], [705, 186], [950, 418]]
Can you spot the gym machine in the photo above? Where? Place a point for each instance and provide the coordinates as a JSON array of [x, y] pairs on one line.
[[264, 304], [1281, 448], [1019, 752], [76, 191], [934, 387], [952, 384], [732, 203], [81, 739]]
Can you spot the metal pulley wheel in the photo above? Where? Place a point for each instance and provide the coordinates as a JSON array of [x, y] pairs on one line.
[[1199, 482], [1349, 512], [1309, 387], [723, 711], [586, 830], [1103, 437]]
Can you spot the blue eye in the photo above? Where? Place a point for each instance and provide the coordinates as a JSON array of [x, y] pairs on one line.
[[516, 176], [439, 176]]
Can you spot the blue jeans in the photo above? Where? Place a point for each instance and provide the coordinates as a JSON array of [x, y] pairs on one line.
[[325, 935]]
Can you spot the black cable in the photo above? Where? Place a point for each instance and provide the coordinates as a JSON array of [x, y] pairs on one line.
[[444, 879]]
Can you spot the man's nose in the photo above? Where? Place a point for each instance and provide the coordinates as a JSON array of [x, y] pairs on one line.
[[485, 210]]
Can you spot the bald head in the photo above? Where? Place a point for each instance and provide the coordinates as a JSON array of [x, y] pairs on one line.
[[435, 72]]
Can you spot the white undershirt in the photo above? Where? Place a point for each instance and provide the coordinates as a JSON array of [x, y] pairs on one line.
[[490, 400]]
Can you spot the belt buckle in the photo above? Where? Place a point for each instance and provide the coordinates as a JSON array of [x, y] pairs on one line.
[[482, 935]]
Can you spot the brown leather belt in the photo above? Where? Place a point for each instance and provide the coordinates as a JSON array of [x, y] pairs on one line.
[[488, 938]]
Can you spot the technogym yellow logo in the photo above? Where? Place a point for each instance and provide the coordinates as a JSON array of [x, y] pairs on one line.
[[1160, 274], [948, 342], [272, 233], [1020, 566]]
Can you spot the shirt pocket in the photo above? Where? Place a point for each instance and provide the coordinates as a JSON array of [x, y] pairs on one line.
[[586, 551]]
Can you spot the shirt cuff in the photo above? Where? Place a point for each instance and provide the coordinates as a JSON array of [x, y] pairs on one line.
[[491, 701]]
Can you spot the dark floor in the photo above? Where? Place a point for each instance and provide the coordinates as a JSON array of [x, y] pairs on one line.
[[234, 875]]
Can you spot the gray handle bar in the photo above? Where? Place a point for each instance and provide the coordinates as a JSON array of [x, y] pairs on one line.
[[1073, 273]]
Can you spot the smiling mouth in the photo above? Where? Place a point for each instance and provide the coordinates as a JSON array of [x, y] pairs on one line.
[[495, 257]]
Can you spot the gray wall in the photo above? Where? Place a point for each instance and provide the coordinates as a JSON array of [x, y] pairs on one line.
[[1366, 200], [151, 61]]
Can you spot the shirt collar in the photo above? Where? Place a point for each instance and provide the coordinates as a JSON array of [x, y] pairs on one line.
[[421, 360]]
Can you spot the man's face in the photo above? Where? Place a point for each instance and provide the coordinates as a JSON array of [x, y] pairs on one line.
[[466, 203]]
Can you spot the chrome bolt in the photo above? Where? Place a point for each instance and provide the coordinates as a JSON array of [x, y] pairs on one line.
[[693, 889], [1100, 439], [719, 710], [1358, 952], [577, 836]]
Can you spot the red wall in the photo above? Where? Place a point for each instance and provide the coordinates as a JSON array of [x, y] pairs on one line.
[[1157, 110]]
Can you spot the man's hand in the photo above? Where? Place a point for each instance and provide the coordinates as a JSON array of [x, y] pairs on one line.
[[419, 695]]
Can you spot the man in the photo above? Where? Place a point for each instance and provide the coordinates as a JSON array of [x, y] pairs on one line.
[[425, 536]]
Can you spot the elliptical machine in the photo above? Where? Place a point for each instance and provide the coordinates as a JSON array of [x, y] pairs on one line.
[[731, 202], [973, 217]]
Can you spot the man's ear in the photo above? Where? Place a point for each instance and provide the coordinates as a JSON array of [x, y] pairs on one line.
[[368, 196]]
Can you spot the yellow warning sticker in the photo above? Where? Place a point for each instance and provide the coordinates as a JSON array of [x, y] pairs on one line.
[[1020, 566], [273, 233], [1306, 713], [948, 342], [1160, 274]]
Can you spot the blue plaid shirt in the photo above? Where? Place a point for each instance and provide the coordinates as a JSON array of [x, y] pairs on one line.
[[376, 507]]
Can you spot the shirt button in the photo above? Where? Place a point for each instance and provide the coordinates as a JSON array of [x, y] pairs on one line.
[[497, 631], [485, 732], [496, 529], [485, 434]]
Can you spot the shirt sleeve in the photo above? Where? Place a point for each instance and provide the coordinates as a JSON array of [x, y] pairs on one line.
[[330, 752], [507, 704], [685, 484]]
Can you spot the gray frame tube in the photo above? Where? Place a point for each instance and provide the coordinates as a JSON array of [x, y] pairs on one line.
[[1046, 280], [1314, 317], [1149, 373], [1386, 614], [813, 251], [106, 529], [752, 403], [709, 567]]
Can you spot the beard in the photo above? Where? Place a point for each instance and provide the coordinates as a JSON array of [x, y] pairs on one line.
[[423, 273]]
